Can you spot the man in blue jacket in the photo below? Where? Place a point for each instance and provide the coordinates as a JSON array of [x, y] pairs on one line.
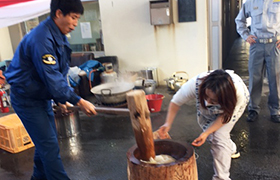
[[38, 74]]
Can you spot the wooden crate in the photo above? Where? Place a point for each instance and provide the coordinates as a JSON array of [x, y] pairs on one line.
[[13, 136]]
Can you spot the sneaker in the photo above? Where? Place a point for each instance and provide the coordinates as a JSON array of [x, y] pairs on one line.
[[235, 155]]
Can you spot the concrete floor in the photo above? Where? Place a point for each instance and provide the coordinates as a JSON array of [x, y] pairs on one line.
[[99, 151]]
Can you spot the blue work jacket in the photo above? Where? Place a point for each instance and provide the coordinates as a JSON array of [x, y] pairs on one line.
[[40, 65]]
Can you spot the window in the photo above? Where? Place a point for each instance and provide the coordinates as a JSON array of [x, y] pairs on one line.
[[87, 36]]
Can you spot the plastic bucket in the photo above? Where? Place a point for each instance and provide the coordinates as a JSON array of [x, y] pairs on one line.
[[154, 102]]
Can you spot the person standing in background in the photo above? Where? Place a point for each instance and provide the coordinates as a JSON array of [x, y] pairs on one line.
[[264, 40], [38, 74]]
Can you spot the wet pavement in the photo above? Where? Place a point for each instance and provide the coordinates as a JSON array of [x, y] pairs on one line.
[[99, 151]]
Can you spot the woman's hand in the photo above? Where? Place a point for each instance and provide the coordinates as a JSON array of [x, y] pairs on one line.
[[218, 123], [200, 140], [163, 131]]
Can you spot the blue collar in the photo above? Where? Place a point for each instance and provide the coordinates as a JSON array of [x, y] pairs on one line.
[[59, 38]]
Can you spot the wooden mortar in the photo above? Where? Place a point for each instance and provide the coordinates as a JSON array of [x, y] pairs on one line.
[[184, 168]]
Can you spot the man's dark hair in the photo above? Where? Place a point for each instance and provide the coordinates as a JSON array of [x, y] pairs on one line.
[[67, 7]]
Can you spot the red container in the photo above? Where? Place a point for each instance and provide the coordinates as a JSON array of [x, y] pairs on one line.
[[154, 102]]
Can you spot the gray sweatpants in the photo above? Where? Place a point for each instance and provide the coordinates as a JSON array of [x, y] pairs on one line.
[[264, 58]]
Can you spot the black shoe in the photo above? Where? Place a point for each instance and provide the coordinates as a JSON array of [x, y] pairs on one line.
[[33, 178], [275, 118], [252, 116]]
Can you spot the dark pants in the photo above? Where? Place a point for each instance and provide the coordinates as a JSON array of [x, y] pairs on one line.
[[38, 119]]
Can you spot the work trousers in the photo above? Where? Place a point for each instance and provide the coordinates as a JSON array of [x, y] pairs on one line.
[[222, 147], [38, 119], [264, 58]]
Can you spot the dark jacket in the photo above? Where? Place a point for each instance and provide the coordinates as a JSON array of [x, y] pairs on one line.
[[40, 65]]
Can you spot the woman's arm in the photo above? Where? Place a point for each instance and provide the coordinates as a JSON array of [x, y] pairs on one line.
[[218, 123], [185, 93], [172, 112]]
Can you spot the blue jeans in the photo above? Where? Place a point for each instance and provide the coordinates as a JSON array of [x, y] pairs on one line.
[[38, 119]]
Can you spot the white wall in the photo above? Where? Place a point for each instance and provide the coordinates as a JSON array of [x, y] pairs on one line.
[[129, 35], [16, 35], [6, 50]]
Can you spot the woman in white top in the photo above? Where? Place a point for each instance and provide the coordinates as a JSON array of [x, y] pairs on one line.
[[221, 98]]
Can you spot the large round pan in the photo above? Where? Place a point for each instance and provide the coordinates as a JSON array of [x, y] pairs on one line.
[[112, 93]]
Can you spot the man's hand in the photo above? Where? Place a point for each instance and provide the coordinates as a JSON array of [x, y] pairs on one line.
[[200, 140], [278, 44], [64, 109], [251, 39], [87, 107]]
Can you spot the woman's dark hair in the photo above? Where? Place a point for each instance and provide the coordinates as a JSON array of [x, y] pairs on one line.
[[66, 7], [221, 84]]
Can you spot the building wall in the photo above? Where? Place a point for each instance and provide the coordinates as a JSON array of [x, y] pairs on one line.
[[16, 35], [6, 50], [129, 35]]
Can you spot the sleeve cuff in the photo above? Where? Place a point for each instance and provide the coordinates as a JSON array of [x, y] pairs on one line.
[[245, 36], [74, 99]]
